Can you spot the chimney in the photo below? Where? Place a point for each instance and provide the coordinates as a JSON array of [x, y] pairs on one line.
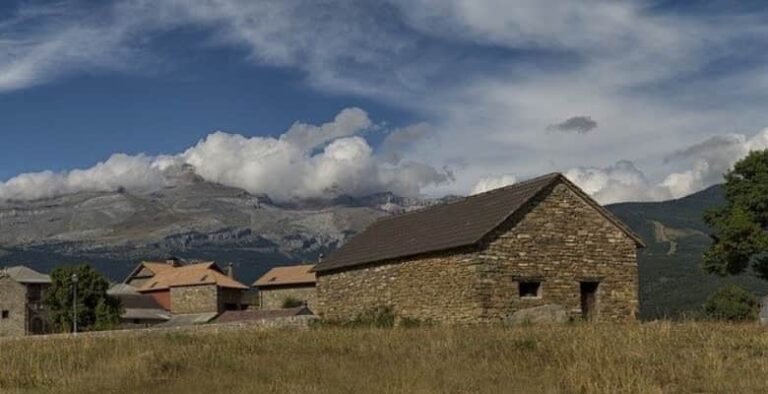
[[230, 271], [320, 257], [173, 261]]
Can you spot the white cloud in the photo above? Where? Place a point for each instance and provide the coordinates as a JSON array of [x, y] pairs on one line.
[[490, 183], [305, 161], [708, 161], [641, 72], [130, 172]]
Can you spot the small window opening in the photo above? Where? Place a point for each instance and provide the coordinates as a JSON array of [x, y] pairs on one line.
[[5, 314], [529, 289]]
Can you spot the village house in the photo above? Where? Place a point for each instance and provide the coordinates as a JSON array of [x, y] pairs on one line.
[[22, 311], [181, 288], [281, 285], [195, 288], [481, 259]]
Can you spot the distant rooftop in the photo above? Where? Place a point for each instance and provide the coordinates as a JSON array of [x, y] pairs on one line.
[[24, 274], [290, 275], [190, 275]]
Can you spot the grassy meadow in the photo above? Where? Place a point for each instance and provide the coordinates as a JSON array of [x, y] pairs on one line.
[[638, 358]]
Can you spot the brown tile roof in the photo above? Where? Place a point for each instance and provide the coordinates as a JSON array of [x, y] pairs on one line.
[[190, 275], [446, 226], [291, 275], [261, 314]]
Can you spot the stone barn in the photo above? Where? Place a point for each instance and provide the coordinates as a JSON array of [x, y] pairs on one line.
[[538, 244]]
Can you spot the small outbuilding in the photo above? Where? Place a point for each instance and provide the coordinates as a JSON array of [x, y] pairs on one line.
[[282, 285], [484, 258]]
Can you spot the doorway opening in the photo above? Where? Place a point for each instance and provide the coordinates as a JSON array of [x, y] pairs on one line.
[[589, 300]]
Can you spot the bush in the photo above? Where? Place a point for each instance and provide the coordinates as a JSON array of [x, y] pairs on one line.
[[290, 302], [732, 303]]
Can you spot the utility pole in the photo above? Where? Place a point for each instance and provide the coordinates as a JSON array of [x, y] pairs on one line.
[[74, 303]]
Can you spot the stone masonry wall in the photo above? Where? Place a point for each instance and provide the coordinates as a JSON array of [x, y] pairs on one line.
[[12, 299], [440, 288], [273, 297], [194, 299], [561, 241]]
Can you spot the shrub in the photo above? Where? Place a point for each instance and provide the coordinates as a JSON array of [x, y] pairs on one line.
[[732, 303], [290, 302], [380, 317]]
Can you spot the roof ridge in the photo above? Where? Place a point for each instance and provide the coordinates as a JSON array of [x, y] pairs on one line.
[[553, 175]]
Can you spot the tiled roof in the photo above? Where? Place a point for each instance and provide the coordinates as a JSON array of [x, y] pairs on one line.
[[190, 275], [446, 226], [290, 275], [24, 274]]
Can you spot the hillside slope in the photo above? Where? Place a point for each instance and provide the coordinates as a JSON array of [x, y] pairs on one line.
[[672, 281]]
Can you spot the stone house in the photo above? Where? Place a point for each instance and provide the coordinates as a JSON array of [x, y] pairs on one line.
[[481, 259], [287, 283], [22, 311], [189, 289]]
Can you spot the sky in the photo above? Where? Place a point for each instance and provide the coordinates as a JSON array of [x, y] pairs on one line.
[[632, 100]]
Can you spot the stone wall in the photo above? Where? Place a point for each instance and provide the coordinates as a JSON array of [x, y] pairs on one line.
[[439, 288], [13, 301], [559, 241], [274, 297], [194, 299]]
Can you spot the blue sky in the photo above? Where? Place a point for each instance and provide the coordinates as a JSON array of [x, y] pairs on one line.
[[633, 100]]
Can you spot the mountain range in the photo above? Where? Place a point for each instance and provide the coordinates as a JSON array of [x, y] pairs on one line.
[[199, 220]]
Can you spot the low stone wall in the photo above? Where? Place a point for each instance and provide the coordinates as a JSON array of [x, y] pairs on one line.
[[273, 298], [281, 323]]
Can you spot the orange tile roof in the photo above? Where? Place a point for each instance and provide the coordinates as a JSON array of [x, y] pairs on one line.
[[157, 267], [190, 275], [291, 275]]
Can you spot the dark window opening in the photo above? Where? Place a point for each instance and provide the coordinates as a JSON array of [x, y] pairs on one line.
[[529, 289], [34, 293], [231, 307], [5, 314]]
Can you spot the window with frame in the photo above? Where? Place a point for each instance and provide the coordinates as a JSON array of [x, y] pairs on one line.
[[529, 289]]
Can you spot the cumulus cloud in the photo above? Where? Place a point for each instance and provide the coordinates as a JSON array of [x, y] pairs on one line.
[[490, 183], [619, 182], [306, 161], [579, 124], [711, 159], [120, 171], [400, 139], [707, 162]]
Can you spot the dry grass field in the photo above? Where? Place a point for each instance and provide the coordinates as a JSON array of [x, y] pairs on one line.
[[637, 358]]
